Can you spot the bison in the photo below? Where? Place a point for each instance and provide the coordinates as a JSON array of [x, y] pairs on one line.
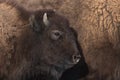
[[48, 49]]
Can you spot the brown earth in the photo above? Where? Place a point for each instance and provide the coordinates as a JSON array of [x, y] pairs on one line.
[[96, 21]]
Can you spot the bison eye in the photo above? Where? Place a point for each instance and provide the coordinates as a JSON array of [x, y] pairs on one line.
[[56, 34]]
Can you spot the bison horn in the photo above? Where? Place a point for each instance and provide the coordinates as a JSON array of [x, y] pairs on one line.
[[45, 19]]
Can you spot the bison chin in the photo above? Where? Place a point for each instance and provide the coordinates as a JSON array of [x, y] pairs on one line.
[[78, 71], [55, 71]]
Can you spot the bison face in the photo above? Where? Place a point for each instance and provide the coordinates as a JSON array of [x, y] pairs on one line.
[[56, 47]]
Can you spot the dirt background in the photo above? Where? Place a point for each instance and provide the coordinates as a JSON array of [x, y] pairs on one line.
[[96, 21]]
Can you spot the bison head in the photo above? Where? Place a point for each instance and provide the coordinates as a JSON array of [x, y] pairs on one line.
[[55, 47]]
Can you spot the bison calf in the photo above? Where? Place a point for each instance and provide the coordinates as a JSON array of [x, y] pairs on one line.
[[52, 51]]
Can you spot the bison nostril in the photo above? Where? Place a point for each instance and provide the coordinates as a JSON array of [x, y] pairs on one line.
[[76, 58]]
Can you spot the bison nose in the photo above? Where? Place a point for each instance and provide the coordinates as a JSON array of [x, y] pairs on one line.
[[76, 58]]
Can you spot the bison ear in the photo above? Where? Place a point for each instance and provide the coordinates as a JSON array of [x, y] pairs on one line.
[[34, 24]]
